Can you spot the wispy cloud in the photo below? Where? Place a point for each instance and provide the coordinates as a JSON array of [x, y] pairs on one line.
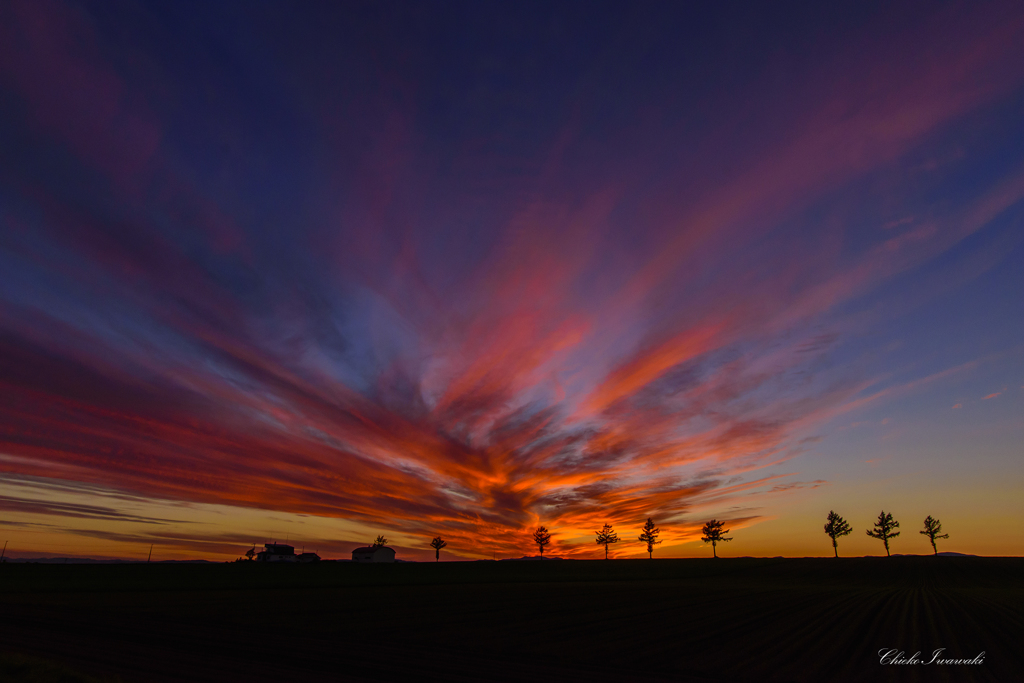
[[412, 330], [39, 507]]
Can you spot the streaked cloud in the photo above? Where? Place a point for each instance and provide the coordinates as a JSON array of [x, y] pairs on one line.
[[407, 306]]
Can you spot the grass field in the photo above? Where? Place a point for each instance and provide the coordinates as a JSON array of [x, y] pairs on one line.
[[622, 620]]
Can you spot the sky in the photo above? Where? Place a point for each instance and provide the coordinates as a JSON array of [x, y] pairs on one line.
[[311, 274]]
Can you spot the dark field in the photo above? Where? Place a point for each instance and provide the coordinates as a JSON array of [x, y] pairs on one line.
[[656, 620]]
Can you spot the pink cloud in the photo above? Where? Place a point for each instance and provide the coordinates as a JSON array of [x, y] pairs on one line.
[[569, 375]]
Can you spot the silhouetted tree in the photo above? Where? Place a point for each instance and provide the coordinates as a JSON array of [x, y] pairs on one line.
[[884, 529], [380, 542], [251, 552], [437, 544], [606, 536], [712, 533], [649, 535], [541, 537], [836, 527], [933, 530]]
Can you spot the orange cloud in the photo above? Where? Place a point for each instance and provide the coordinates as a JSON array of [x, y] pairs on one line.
[[598, 349]]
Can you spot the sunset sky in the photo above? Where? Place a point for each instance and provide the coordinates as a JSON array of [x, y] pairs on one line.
[[319, 272]]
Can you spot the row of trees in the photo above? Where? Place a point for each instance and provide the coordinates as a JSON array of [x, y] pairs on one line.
[[713, 532], [885, 529]]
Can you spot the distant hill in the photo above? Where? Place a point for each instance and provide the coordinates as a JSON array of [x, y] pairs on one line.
[[89, 560], [943, 554]]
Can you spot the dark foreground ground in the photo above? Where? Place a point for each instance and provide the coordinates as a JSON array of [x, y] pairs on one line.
[[623, 620]]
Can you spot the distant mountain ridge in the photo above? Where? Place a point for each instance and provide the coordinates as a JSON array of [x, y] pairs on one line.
[[942, 554], [89, 560]]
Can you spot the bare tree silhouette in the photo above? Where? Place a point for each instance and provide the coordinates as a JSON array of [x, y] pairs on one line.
[[437, 544], [712, 533], [933, 530], [836, 527], [541, 537], [380, 542], [884, 529], [606, 536], [649, 535]]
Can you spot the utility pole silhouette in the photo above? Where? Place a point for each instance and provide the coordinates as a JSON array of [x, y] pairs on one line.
[[150, 553], [4, 552]]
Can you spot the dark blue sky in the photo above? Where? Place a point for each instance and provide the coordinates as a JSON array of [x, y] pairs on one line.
[[468, 268]]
